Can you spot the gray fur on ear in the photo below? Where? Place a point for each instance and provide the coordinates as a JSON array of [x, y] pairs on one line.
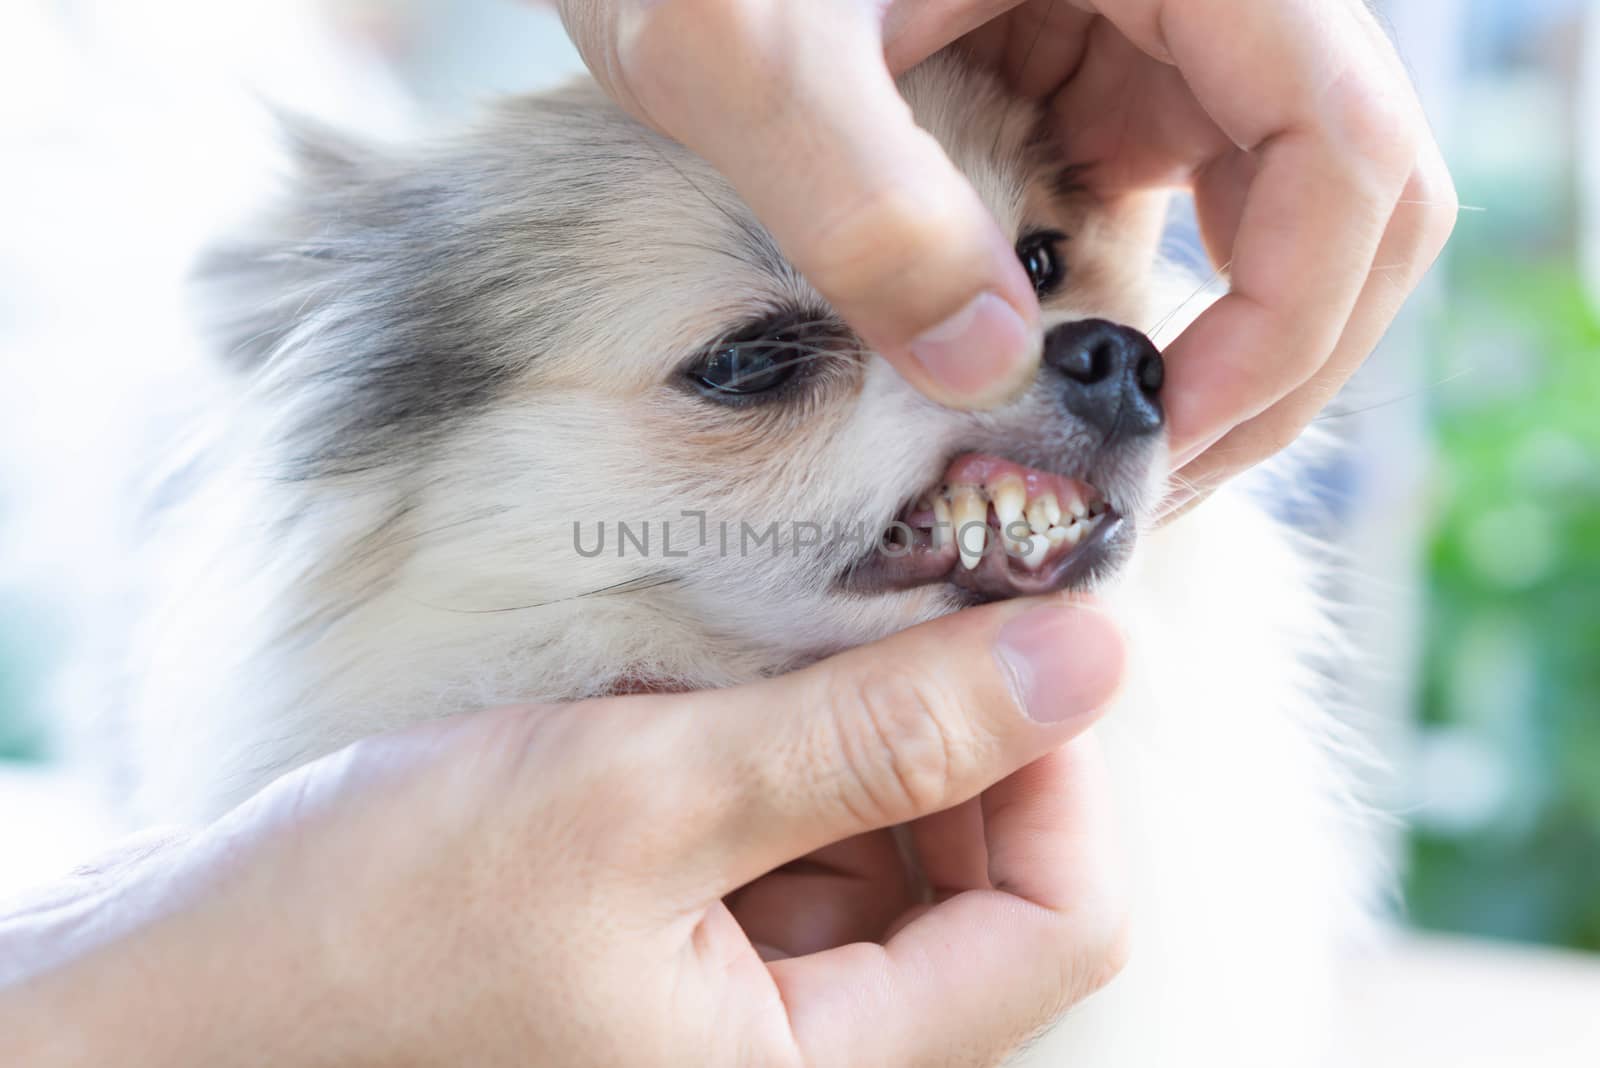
[[363, 293], [248, 297], [250, 290]]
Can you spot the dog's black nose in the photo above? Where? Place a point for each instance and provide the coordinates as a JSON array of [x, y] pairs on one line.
[[1110, 377]]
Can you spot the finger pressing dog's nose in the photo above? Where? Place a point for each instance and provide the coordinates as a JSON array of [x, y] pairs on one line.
[[1110, 377]]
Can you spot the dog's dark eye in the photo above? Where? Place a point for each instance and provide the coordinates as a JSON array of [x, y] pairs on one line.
[[744, 368], [1040, 253]]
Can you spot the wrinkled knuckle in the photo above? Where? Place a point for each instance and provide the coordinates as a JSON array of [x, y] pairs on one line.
[[1107, 958], [1277, 433], [1093, 956], [894, 728], [1379, 127], [1441, 206]]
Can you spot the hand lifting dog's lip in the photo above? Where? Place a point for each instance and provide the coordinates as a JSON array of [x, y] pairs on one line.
[[442, 356], [456, 352]]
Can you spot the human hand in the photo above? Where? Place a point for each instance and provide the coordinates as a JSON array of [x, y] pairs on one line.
[[547, 885], [1318, 185]]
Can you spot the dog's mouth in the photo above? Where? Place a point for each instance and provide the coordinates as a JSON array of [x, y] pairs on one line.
[[995, 529]]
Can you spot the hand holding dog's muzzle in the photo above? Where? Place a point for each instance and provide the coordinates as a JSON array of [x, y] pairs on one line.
[[566, 885], [1320, 192]]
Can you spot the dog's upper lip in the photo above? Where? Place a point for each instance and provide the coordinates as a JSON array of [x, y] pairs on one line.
[[1087, 535]]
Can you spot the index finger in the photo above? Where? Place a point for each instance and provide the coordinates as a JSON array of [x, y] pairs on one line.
[[870, 738], [1316, 98], [794, 105], [975, 975]]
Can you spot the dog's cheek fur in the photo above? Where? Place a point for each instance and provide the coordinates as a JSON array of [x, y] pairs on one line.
[[457, 365], [451, 360]]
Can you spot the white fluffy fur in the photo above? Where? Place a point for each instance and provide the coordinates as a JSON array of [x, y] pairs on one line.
[[1246, 848], [295, 616]]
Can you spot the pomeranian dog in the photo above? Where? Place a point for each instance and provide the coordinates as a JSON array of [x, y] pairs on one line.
[[539, 412]]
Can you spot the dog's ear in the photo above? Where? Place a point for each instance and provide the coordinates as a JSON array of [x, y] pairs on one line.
[[253, 290], [386, 293]]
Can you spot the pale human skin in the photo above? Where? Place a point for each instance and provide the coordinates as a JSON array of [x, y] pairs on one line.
[[563, 885], [1317, 181]]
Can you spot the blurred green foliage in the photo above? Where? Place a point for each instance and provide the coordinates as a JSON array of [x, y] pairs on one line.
[[20, 738], [21, 660], [1512, 672]]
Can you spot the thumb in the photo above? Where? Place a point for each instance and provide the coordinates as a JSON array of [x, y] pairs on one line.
[[795, 106], [883, 734]]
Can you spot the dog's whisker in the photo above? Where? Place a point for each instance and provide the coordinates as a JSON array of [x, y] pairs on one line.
[[638, 584], [1216, 276], [1475, 208], [804, 359], [713, 249], [1182, 483], [707, 197], [1330, 415], [454, 525], [1027, 58], [799, 326], [808, 353]]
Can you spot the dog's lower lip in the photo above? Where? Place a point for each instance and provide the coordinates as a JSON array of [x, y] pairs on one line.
[[996, 577]]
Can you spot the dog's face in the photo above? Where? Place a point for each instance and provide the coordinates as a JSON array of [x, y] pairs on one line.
[[578, 370]]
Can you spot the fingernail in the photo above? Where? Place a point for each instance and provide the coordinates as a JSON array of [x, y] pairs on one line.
[[981, 351], [1064, 661]]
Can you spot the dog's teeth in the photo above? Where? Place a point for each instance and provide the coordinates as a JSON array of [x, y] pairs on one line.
[[1038, 548], [941, 521], [1068, 535], [1043, 513], [1015, 546], [1010, 497], [969, 513], [1074, 506]]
